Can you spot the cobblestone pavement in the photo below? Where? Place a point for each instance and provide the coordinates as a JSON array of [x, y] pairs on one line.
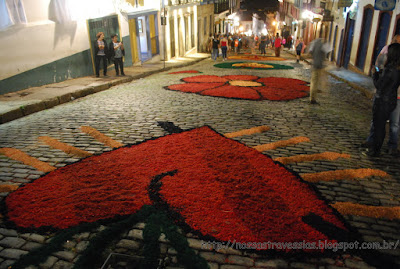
[[129, 113]]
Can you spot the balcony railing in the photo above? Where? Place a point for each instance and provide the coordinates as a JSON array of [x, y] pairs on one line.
[[221, 6], [181, 2]]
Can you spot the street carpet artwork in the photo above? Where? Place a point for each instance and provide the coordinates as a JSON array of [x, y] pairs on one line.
[[250, 65], [202, 181], [185, 72], [244, 87], [255, 58]]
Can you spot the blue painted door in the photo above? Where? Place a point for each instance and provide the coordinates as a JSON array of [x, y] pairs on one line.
[[340, 48], [383, 29], [365, 31], [334, 44], [349, 43]]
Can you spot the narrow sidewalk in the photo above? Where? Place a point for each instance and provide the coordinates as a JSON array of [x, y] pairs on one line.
[[18, 104]]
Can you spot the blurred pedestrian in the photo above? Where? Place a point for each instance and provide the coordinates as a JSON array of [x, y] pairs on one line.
[[214, 47], [318, 49], [386, 82], [100, 52], [299, 48], [263, 43], [277, 45], [117, 51]]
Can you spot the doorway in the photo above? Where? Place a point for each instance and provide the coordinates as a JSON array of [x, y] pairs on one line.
[[143, 38], [364, 39], [381, 39]]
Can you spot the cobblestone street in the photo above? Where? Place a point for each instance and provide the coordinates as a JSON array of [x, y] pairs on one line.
[[128, 113]]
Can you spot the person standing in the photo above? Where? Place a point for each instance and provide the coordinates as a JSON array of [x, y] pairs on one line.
[[277, 45], [318, 49], [385, 99], [117, 51], [224, 47], [263, 43], [394, 119], [299, 48], [100, 50], [214, 47]]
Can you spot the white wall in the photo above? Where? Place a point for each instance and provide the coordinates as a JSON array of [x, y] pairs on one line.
[[42, 41], [373, 33]]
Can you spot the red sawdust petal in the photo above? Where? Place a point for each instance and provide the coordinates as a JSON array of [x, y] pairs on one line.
[[241, 77], [230, 91], [185, 72], [274, 94], [194, 87], [205, 78]]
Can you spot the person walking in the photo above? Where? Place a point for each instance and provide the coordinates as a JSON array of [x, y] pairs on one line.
[[263, 44], [299, 48], [394, 119], [224, 47], [277, 45], [386, 82], [214, 47], [318, 49], [117, 51], [100, 51]]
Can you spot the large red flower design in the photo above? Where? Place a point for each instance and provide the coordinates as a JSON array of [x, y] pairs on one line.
[[244, 87], [220, 187]]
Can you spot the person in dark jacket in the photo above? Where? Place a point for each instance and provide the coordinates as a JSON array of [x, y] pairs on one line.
[[100, 52], [117, 51], [386, 82]]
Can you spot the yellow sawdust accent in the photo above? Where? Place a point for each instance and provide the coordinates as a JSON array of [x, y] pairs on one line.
[[346, 174], [282, 143], [253, 65], [256, 58], [245, 83], [20, 156], [8, 188], [347, 208], [54, 143], [312, 157], [254, 130], [101, 137]]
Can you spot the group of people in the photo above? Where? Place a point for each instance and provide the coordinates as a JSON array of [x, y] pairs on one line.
[[220, 44], [113, 52], [386, 101]]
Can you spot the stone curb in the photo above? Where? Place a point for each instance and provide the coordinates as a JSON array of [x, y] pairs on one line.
[[55, 101]]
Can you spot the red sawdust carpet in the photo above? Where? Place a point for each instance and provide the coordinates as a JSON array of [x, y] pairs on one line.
[[220, 187], [244, 87]]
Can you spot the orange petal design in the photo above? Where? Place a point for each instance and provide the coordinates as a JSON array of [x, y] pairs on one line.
[[282, 143], [101, 137], [346, 174], [20, 156], [54, 143], [254, 130], [312, 157], [347, 208]]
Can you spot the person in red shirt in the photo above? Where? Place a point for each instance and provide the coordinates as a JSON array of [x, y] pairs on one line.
[[224, 47], [278, 45]]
